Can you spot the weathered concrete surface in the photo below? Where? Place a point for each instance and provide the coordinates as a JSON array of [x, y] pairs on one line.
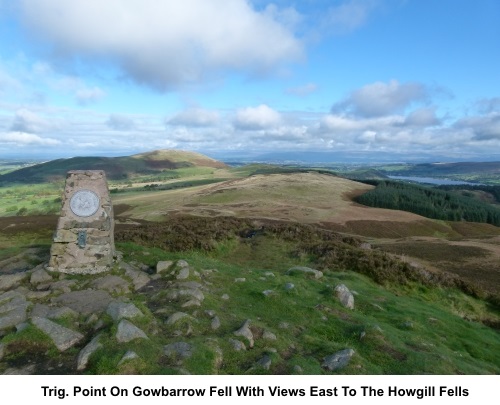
[[93, 252]]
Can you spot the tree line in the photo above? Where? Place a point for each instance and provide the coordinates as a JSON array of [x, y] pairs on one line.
[[429, 202]]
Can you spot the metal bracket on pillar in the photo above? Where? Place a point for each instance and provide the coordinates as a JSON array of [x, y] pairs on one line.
[[82, 239]]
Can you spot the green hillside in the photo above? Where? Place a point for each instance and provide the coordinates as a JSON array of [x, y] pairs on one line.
[[117, 168]]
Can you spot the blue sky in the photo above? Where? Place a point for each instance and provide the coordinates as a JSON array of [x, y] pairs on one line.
[[404, 78]]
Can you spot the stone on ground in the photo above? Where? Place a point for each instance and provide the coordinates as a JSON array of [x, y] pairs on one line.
[[305, 270], [40, 276], [9, 281], [130, 355], [111, 283], [127, 331], [338, 360], [85, 302], [163, 266], [215, 324], [118, 310], [62, 337], [177, 316], [345, 296], [245, 332], [237, 345], [86, 352], [13, 306], [138, 277], [265, 362], [46, 311], [181, 350]]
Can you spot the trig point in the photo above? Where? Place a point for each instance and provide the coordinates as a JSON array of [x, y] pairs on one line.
[[84, 240]]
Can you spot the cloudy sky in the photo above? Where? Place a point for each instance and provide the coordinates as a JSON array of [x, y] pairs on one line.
[[407, 78]]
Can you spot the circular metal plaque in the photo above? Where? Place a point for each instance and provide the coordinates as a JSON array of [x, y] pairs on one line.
[[84, 203]]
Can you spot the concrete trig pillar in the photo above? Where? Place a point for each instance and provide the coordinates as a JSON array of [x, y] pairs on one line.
[[84, 240]]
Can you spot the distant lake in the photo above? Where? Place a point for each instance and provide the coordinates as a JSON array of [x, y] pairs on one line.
[[432, 180]]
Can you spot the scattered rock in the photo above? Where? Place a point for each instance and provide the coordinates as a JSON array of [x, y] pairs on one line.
[[10, 281], [180, 350], [225, 297], [269, 274], [118, 310], [62, 337], [215, 324], [191, 303], [2, 351], [240, 280], [338, 360], [297, 369], [305, 270], [13, 306], [174, 318], [365, 246], [138, 277], [245, 332], [45, 311], [63, 286], [175, 295], [192, 285], [265, 362], [267, 335], [86, 352], [130, 355], [40, 276], [267, 293], [183, 273], [289, 286], [85, 302], [111, 283], [127, 331], [237, 345], [163, 266], [345, 296], [210, 312], [283, 325], [26, 370], [181, 264]]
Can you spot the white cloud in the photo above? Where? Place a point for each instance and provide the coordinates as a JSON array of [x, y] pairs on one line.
[[482, 128], [29, 122], [255, 118], [342, 125], [195, 117], [422, 117], [120, 122], [379, 98], [25, 139], [167, 43]]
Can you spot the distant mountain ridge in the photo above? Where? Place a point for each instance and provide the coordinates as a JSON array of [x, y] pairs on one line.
[[116, 167]]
